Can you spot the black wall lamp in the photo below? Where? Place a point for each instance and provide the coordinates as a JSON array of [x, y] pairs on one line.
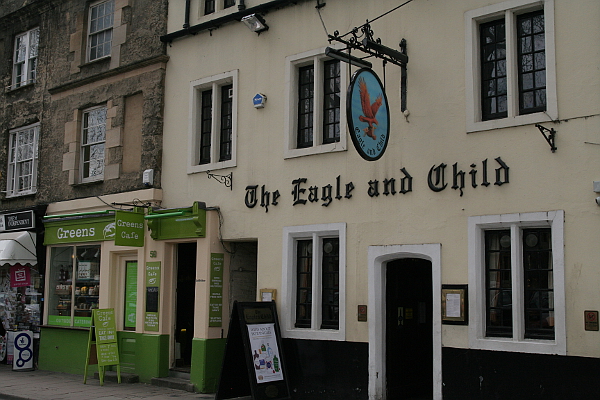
[[255, 23]]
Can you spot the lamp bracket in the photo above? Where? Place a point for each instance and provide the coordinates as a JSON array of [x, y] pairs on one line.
[[549, 135], [363, 39], [226, 180]]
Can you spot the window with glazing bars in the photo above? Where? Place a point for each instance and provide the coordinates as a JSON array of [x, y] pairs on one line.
[[493, 70], [209, 6], [100, 29], [539, 284], [305, 106], [537, 310], [331, 102], [92, 144], [330, 317], [25, 58], [532, 62], [205, 126], [228, 3], [22, 164], [226, 122], [304, 278]]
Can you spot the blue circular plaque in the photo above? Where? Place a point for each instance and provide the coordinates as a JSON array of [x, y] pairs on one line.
[[368, 114]]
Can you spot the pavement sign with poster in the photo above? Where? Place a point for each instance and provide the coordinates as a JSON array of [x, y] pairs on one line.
[[253, 349], [102, 344], [23, 351]]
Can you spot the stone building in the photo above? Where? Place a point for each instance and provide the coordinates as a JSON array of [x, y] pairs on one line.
[[81, 131]]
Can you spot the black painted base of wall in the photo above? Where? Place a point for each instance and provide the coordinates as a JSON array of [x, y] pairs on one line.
[[478, 374], [327, 369]]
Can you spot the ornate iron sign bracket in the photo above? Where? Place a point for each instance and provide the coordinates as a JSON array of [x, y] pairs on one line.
[[549, 135], [226, 180], [362, 39]]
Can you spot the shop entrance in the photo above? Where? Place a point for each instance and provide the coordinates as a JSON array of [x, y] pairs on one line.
[[409, 329], [185, 299]]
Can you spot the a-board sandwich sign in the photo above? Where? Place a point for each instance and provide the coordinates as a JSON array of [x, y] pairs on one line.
[[254, 349]]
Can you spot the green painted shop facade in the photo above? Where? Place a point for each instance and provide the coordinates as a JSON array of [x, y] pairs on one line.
[[161, 270]]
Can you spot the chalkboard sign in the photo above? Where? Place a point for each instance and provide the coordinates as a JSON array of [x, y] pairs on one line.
[[254, 349], [152, 299], [102, 339]]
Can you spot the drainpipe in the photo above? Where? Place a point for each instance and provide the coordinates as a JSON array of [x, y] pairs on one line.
[[186, 23], [241, 5]]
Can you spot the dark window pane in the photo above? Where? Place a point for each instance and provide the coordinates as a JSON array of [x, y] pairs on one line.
[[493, 61], [209, 6], [331, 104], [532, 62], [303, 283], [330, 284], [205, 126], [305, 106], [498, 284], [226, 123], [539, 284]]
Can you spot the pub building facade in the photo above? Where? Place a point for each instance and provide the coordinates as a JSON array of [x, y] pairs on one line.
[[430, 237]]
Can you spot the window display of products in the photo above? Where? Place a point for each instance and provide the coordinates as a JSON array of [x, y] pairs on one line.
[[20, 306], [74, 285]]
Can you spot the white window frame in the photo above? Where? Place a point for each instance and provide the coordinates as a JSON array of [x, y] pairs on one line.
[[291, 234], [12, 178], [82, 161], [30, 41], [91, 34], [477, 226], [509, 10], [293, 63], [214, 82]]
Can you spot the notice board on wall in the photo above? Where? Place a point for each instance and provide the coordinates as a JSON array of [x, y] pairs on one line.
[[254, 349]]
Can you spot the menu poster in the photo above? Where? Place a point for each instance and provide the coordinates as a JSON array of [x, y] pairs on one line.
[[265, 353], [215, 310], [151, 318]]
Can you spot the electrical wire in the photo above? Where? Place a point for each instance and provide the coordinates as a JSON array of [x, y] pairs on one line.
[[376, 18], [220, 234], [321, 17]]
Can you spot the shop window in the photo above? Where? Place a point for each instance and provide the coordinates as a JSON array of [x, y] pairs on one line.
[[25, 58], [517, 281], [22, 161], [74, 285], [510, 64], [315, 115], [214, 123], [314, 282], [100, 29], [20, 298]]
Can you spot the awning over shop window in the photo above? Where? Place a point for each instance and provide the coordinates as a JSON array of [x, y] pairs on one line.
[[17, 248]]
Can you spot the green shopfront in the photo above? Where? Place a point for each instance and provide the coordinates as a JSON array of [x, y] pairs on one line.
[[136, 261]]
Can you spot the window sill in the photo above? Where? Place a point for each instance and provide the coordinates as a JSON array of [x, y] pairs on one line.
[[19, 195], [13, 88], [96, 61], [508, 122], [87, 183], [308, 151], [520, 346], [314, 334], [194, 169]]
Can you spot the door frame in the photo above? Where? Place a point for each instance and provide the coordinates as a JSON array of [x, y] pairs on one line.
[[378, 256]]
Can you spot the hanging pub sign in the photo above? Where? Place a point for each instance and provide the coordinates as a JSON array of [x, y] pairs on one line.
[[253, 350], [368, 114]]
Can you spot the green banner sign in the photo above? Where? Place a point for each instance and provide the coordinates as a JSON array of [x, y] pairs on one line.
[[82, 230], [215, 303], [130, 294], [151, 318], [129, 227]]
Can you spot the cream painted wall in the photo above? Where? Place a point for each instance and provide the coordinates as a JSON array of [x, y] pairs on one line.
[[433, 133]]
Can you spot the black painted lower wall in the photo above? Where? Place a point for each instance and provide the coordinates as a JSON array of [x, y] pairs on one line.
[[327, 369], [491, 375]]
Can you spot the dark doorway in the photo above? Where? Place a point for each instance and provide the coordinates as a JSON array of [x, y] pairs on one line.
[[409, 329], [186, 289]]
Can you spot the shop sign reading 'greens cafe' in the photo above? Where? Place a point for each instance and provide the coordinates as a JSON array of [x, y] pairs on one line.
[[126, 228]]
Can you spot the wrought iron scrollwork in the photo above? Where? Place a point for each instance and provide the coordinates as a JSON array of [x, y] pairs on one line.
[[226, 180]]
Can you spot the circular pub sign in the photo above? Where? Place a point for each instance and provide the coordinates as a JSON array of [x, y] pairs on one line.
[[368, 114]]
